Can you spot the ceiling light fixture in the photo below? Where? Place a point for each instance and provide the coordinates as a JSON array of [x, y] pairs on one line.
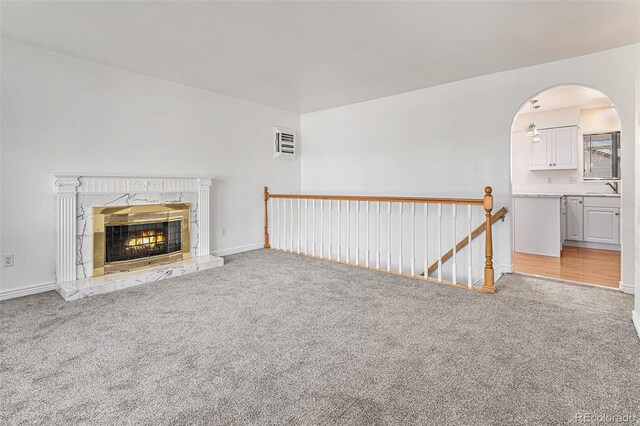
[[532, 130]]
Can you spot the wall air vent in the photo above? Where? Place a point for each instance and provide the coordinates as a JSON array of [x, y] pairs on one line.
[[284, 143]]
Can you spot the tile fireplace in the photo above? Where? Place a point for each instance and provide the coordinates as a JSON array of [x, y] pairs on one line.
[[115, 232]]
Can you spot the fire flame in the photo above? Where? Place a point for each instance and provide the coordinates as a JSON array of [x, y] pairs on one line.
[[151, 238]]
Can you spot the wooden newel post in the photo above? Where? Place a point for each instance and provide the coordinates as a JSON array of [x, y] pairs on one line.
[[489, 285], [266, 218]]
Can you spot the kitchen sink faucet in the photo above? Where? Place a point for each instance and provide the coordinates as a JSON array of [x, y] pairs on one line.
[[613, 186]]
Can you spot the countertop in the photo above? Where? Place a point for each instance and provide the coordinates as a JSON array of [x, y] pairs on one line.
[[560, 195]]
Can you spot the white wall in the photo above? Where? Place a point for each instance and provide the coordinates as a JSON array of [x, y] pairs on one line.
[[67, 114], [594, 120], [62, 114], [452, 140]]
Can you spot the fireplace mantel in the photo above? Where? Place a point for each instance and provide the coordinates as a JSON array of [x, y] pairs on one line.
[[102, 184], [76, 195]]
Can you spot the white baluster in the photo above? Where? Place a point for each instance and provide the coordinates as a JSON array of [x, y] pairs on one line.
[[284, 224], [400, 234], [439, 242], [321, 228], [348, 231], [389, 237], [291, 232], [306, 226], [454, 214], [276, 238], [378, 236], [273, 223], [413, 239], [366, 261], [426, 240], [299, 229], [313, 229], [339, 214], [357, 233], [330, 228], [470, 261]]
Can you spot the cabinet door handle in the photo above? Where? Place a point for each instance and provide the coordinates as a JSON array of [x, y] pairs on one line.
[[579, 202], [617, 214]]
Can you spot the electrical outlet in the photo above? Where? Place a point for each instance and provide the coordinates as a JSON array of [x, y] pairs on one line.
[[573, 179], [549, 179], [7, 260], [224, 231]]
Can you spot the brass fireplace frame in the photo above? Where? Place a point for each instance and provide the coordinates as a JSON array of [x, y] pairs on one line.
[[138, 214]]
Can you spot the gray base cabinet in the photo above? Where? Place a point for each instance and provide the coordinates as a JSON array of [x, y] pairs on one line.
[[602, 225], [575, 218], [593, 219]]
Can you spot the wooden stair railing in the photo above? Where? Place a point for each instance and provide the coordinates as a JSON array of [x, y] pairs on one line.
[[500, 214], [305, 241]]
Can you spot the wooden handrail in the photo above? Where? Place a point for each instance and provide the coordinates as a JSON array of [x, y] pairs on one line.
[[463, 242], [383, 199]]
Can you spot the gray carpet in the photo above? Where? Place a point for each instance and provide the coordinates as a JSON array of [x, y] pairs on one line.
[[274, 338]]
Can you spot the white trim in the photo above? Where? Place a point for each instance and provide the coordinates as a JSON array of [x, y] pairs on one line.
[[503, 269], [636, 321], [627, 288], [234, 250], [499, 271], [593, 245], [27, 290]]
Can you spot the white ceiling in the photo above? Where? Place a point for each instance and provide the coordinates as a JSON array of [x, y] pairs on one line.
[[569, 96], [307, 56]]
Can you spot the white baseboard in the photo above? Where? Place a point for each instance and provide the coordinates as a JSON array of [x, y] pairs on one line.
[[503, 269], [498, 272], [27, 290], [592, 245], [234, 250], [636, 321], [627, 288]]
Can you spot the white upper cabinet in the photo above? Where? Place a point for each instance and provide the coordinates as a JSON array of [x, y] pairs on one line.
[[566, 148], [540, 153], [557, 150]]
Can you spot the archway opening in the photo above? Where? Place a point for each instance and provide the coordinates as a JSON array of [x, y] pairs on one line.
[[566, 185]]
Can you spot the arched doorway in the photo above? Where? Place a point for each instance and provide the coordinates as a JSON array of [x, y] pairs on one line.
[[566, 185]]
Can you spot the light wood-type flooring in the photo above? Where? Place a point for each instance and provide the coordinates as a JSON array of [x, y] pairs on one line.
[[601, 267]]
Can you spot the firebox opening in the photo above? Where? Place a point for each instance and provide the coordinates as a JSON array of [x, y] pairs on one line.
[[128, 242]]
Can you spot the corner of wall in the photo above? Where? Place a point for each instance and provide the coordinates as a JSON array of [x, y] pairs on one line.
[[627, 288]]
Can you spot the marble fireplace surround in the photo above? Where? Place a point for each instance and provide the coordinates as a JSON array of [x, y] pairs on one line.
[[77, 195]]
